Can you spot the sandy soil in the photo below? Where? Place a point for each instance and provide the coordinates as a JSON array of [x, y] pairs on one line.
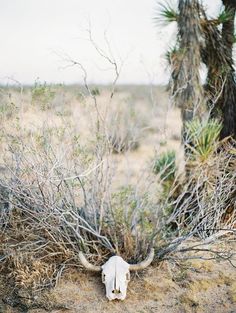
[[197, 286]]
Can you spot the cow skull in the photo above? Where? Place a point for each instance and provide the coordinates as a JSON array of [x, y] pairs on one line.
[[115, 276], [116, 273]]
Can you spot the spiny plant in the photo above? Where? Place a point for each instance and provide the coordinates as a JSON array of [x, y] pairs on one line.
[[166, 13], [224, 16], [202, 137], [165, 165], [203, 40]]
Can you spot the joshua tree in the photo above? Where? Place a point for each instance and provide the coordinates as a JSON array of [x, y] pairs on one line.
[[202, 40], [217, 55], [229, 94], [187, 89]]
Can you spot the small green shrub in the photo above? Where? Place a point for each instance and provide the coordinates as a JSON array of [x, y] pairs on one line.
[[42, 95], [7, 106], [165, 165], [130, 221], [95, 91]]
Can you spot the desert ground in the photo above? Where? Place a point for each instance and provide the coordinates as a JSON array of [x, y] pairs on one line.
[[194, 286]]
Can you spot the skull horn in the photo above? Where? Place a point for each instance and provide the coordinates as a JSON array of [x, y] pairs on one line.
[[87, 264], [143, 264]]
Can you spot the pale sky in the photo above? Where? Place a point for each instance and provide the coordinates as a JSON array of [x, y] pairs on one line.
[[36, 34]]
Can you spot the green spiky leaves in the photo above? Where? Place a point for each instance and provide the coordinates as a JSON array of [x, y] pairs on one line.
[[224, 16], [202, 137], [166, 13], [165, 165]]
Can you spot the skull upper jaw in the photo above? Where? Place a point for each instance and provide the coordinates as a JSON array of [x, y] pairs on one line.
[[121, 295], [113, 296]]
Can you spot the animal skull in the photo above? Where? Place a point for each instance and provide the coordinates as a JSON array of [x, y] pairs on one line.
[[115, 276], [116, 273]]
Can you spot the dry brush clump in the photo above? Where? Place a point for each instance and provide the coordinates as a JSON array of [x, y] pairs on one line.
[[124, 126], [199, 203], [206, 204], [56, 199]]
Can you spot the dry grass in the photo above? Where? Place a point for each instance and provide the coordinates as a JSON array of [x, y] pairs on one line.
[[156, 290]]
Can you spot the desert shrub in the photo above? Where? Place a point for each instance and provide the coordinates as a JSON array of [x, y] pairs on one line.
[[201, 201], [42, 95], [165, 165], [56, 199], [7, 105], [123, 128], [123, 142], [95, 91], [130, 222], [208, 194]]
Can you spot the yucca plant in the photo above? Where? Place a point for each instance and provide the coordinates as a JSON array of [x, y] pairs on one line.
[[224, 16], [201, 137], [167, 13], [165, 166], [203, 40]]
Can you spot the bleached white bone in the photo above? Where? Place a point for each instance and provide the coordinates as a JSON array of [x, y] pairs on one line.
[[115, 276], [116, 273]]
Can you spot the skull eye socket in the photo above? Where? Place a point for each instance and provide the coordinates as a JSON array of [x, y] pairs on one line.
[[128, 276], [103, 277]]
